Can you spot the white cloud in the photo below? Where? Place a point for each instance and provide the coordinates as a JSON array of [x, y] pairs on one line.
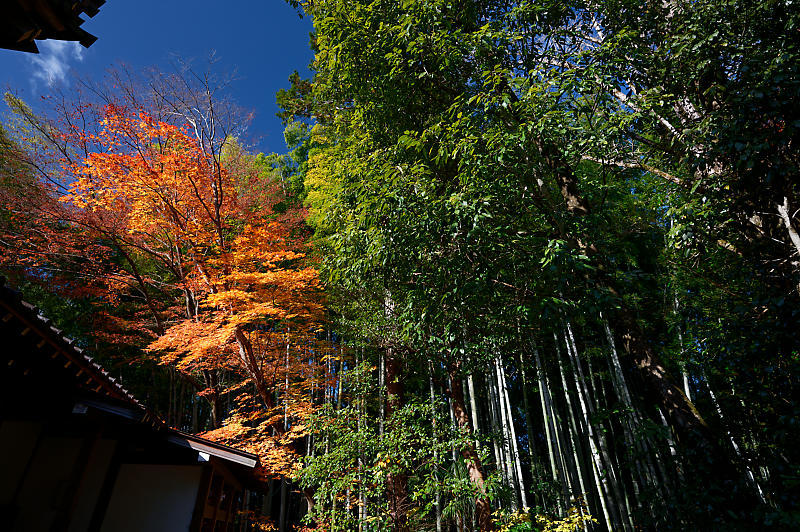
[[53, 61]]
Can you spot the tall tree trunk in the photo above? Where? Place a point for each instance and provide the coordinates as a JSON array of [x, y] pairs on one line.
[[483, 508], [500, 427], [381, 385], [550, 429], [735, 446], [689, 426], [195, 418], [396, 481], [181, 404], [581, 429], [683, 414], [786, 218], [286, 384], [596, 444], [438, 495], [340, 376], [359, 427], [512, 432], [494, 425], [283, 515], [575, 439], [250, 365], [210, 381], [473, 410], [526, 402], [171, 396], [608, 458], [632, 422]]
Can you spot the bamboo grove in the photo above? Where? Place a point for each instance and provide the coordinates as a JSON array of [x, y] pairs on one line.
[[525, 266]]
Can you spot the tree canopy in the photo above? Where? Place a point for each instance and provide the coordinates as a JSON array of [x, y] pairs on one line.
[[523, 266]]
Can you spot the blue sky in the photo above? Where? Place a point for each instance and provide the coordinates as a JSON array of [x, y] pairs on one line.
[[262, 40]]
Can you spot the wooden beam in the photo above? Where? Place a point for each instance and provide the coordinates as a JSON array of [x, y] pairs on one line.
[[232, 455]]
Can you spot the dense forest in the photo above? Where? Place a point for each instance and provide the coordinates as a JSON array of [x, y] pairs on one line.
[[523, 266]]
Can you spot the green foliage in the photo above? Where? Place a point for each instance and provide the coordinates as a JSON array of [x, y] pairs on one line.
[[486, 178], [353, 460], [524, 521], [457, 144], [294, 102]]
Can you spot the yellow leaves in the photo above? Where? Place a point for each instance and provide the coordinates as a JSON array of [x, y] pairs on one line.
[[192, 345], [384, 461], [197, 252], [577, 518], [154, 177], [228, 298], [234, 289], [276, 458], [259, 311]]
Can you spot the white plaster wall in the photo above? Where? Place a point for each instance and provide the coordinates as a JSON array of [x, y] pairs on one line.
[[153, 498]]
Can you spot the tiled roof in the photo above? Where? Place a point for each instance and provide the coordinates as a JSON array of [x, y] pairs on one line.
[[91, 377], [31, 318], [24, 21]]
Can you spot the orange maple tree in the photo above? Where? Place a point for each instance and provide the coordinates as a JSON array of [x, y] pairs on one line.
[[181, 221]]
